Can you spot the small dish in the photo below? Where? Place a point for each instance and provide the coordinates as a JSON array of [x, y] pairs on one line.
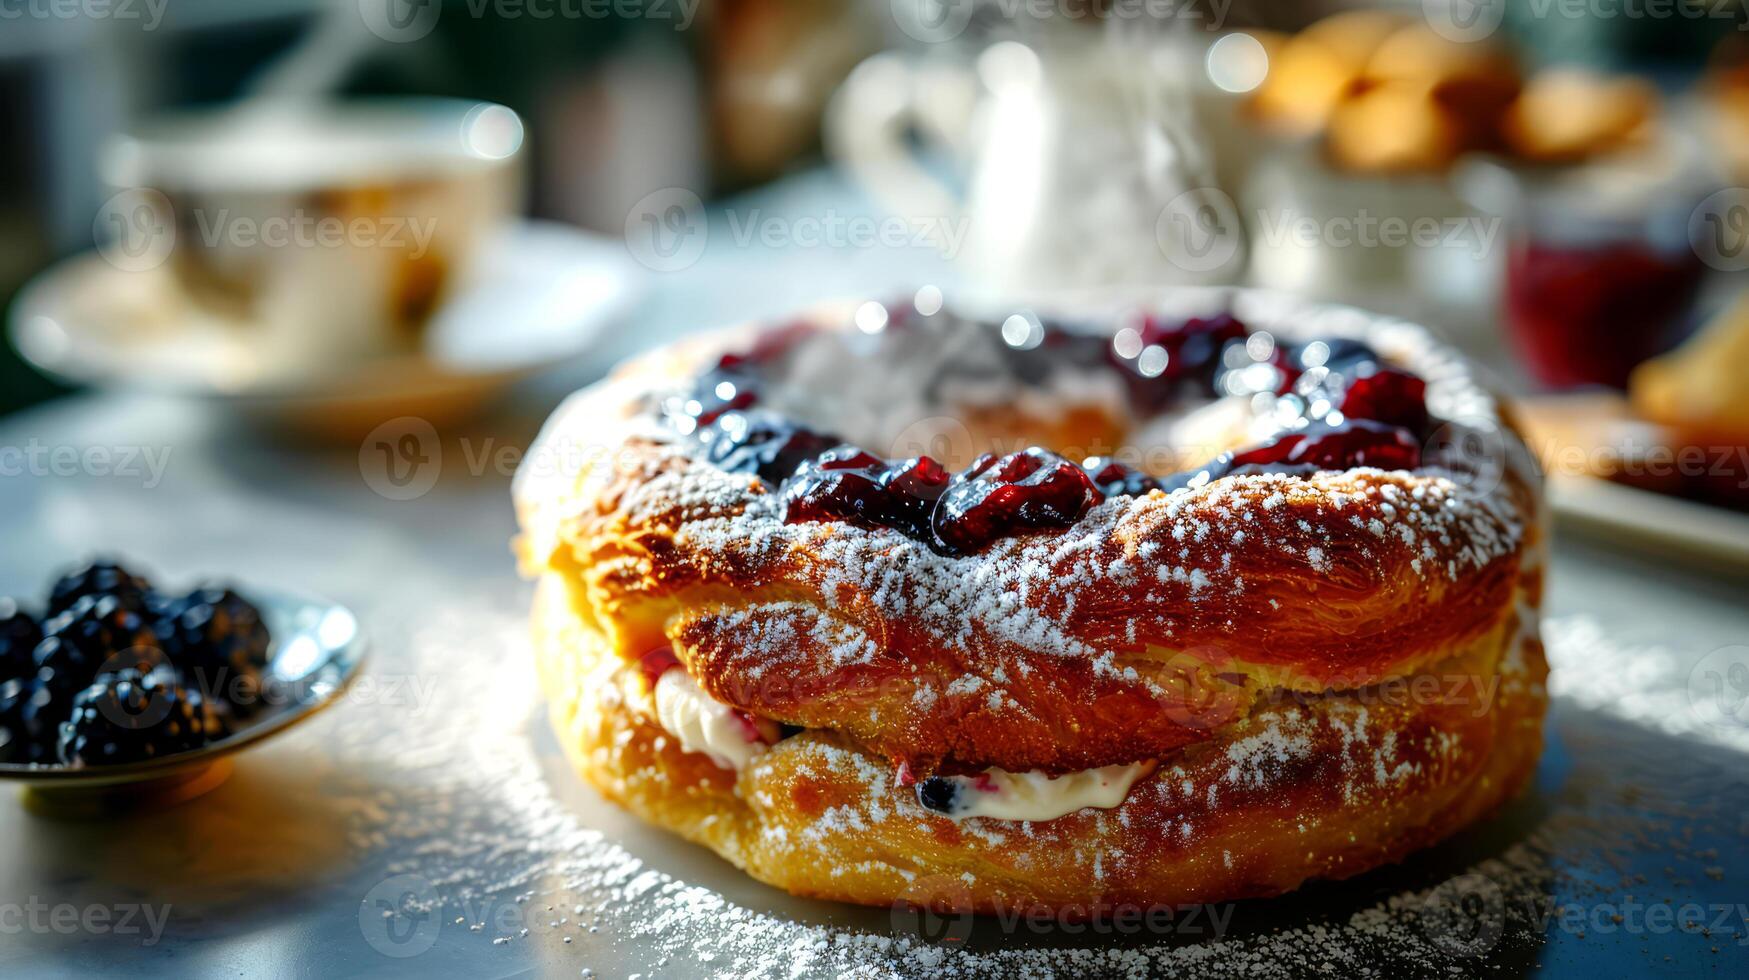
[[316, 653], [543, 293], [1569, 432]]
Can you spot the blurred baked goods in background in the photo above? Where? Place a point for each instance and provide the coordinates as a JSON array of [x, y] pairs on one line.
[[1568, 115], [1704, 384], [1725, 91], [1682, 429], [1390, 95]]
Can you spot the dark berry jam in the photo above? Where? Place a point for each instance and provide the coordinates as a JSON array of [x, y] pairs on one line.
[[1353, 410], [1193, 347], [995, 497], [1114, 479], [1383, 394], [1319, 446], [762, 443], [847, 484], [733, 385]]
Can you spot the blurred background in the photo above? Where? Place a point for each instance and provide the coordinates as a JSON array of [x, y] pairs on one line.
[[518, 193]]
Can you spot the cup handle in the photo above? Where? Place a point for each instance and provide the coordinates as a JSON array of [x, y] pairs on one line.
[[871, 112]]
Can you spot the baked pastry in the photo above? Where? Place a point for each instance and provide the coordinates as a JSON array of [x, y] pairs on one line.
[[1572, 115], [1694, 402], [1289, 632]]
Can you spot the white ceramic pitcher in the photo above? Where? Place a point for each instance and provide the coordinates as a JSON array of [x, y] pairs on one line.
[[1083, 160]]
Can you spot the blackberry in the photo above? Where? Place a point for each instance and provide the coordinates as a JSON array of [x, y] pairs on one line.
[[131, 715], [217, 639], [94, 631], [19, 635], [29, 715], [100, 578], [939, 793]]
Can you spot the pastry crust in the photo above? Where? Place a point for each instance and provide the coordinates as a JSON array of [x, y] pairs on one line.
[[1325, 786], [1327, 672]]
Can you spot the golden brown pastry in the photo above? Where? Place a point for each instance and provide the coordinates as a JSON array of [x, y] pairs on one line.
[[1696, 399], [1311, 72], [1569, 115], [1036, 682]]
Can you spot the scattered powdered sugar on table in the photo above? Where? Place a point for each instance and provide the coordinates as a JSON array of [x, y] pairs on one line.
[[478, 808]]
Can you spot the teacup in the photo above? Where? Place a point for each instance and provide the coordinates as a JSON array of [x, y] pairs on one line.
[[319, 232]]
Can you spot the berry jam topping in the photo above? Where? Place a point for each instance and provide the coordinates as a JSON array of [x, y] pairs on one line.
[[1021, 491], [1384, 394], [1114, 479], [762, 443], [732, 385], [847, 484], [1193, 347], [716, 392], [1355, 442], [1351, 410]]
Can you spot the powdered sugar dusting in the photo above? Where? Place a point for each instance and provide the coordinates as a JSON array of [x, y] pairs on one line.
[[492, 820]]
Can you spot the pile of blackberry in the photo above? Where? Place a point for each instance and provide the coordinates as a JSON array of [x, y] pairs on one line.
[[116, 671]]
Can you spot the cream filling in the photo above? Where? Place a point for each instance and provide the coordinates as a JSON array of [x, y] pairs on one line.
[[702, 724], [1002, 795]]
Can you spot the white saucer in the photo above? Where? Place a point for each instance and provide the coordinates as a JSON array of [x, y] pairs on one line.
[[543, 293]]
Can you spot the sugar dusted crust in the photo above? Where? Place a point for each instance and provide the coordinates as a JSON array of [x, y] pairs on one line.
[[1258, 610], [1327, 787]]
